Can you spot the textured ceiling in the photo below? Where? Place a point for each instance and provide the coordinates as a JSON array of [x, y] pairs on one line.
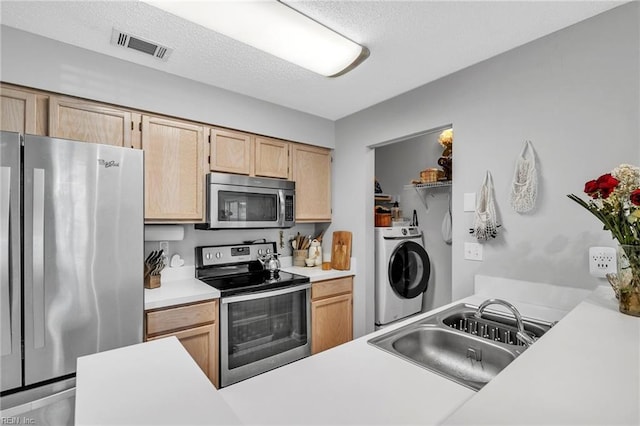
[[411, 43]]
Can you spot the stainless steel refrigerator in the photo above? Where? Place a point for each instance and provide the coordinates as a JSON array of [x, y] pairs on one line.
[[71, 266]]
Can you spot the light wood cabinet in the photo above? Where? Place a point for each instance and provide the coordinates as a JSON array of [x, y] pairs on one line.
[[331, 313], [196, 326], [174, 170], [311, 168], [85, 121], [23, 111], [230, 151], [271, 157]]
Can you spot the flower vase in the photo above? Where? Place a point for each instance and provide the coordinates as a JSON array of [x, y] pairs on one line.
[[628, 279]]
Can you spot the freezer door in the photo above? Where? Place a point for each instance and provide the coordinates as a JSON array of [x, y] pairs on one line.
[[83, 252], [10, 279]]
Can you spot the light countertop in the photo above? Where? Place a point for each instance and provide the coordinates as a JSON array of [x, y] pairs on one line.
[[178, 286], [152, 383], [585, 370]]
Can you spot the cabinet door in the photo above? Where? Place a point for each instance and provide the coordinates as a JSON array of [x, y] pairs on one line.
[[230, 152], [89, 122], [17, 111], [202, 345], [174, 169], [271, 158], [312, 175], [331, 322]]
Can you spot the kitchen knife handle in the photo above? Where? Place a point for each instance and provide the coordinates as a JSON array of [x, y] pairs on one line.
[[38, 258], [5, 273]]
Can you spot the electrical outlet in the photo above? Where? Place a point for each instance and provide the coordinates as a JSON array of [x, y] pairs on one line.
[[602, 260], [472, 251]]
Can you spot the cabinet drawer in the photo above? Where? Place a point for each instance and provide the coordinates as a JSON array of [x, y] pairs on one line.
[[327, 288], [182, 317]]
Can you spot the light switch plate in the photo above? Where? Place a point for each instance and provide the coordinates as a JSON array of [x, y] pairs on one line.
[[470, 202]]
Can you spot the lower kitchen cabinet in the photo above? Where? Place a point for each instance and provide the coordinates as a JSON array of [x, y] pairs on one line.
[[196, 327], [331, 313]]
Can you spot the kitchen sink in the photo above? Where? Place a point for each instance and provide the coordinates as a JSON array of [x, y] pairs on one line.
[[460, 346]]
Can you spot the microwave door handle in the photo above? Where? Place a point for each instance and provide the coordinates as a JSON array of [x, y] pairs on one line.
[[283, 214], [262, 295]]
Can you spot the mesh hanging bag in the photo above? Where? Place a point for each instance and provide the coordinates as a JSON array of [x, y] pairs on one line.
[[524, 187], [485, 223]]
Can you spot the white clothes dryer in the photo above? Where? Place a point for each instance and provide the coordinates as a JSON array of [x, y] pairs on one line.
[[403, 269]]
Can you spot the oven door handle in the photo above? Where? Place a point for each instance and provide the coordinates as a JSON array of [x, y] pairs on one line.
[[262, 295]]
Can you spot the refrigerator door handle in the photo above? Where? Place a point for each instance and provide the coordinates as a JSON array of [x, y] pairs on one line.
[[38, 258], [5, 273]]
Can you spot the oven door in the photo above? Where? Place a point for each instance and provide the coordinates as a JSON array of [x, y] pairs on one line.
[[263, 331]]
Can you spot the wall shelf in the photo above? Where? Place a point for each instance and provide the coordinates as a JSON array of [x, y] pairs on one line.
[[420, 187]]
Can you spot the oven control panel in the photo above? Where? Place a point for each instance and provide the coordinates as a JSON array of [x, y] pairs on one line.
[[218, 255]]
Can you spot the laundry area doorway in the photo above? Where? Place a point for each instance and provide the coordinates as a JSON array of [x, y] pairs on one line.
[[412, 172]]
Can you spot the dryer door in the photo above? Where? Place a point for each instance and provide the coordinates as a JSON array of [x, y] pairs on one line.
[[409, 270]]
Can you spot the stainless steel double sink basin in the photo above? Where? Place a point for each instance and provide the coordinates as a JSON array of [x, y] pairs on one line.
[[458, 345]]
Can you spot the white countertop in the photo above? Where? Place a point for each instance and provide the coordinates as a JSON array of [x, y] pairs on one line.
[[154, 383], [585, 370], [178, 286]]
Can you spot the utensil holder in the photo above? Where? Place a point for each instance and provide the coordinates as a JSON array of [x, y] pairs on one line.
[[152, 281], [298, 257]]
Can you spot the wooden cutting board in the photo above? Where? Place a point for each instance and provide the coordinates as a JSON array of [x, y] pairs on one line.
[[341, 250]]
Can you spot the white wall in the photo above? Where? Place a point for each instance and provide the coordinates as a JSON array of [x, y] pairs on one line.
[[574, 93], [396, 165], [42, 63]]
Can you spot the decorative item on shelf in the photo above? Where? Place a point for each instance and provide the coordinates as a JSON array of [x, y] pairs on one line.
[[485, 224], [431, 175], [382, 216], [153, 265], [377, 187], [524, 188], [615, 202], [445, 161]]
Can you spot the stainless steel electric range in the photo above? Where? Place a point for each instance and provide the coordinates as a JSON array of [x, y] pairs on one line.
[[265, 319]]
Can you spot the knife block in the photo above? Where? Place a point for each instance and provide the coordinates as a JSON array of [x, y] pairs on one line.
[[152, 281]]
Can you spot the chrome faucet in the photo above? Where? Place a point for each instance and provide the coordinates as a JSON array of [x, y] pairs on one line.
[[521, 334]]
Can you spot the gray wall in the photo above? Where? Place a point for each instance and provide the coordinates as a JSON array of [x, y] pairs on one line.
[[42, 63], [398, 163], [574, 93]]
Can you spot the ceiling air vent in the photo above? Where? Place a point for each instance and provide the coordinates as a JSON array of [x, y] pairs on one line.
[[129, 41]]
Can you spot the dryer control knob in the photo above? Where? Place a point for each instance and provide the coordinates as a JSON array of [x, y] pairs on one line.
[[404, 231]]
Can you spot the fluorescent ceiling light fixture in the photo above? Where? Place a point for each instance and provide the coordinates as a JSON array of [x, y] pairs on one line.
[[275, 28]]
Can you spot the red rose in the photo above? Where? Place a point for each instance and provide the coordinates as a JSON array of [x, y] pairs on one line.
[[591, 188], [606, 184], [635, 197]]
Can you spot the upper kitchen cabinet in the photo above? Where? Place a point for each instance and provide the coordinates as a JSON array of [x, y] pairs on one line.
[[271, 157], [230, 152], [311, 167], [23, 111], [174, 169], [85, 121], [91, 122]]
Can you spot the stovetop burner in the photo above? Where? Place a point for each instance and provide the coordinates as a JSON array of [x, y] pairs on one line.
[[253, 282], [234, 269]]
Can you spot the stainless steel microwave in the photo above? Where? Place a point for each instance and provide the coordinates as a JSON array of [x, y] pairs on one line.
[[240, 202]]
